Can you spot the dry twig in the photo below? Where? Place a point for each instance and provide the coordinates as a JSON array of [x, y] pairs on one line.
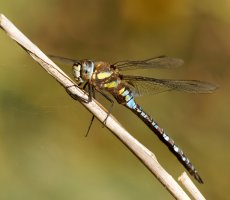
[[140, 151], [189, 185]]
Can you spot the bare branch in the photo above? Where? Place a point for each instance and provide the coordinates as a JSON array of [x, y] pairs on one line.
[[140, 151], [189, 185]]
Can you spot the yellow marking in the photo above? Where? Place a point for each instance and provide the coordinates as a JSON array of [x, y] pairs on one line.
[[121, 90], [94, 76], [127, 98], [104, 75], [99, 64], [111, 84]]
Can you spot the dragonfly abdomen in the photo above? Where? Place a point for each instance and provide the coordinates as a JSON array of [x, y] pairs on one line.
[[148, 120]]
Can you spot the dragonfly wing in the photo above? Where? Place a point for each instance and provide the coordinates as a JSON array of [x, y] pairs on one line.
[[145, 85], [63, 60], [162, 62]]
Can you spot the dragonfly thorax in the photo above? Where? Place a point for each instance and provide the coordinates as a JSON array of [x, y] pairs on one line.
[[83, 71]]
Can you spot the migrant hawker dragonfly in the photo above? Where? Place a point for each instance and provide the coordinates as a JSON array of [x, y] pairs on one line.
[[103, 76]]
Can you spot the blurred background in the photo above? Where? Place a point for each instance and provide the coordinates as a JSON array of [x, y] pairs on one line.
[[43, 151]]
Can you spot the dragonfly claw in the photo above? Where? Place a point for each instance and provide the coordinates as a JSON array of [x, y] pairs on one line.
[[104, 122], [76, 97]]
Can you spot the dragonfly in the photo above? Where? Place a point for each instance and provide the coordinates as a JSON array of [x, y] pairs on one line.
[[106, 77]]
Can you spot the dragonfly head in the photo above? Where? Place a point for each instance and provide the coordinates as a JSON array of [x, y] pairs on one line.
[[83, 71]]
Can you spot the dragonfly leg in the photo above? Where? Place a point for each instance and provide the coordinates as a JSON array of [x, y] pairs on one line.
[[91, 93], [110, 109], [91, 122], [76, 97]]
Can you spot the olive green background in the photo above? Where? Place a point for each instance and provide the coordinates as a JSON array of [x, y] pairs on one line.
[[43, 151]]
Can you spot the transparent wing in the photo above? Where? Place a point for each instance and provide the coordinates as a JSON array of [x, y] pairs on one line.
[[163, 62], [145, 85], [157, 62], [63, 60]]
